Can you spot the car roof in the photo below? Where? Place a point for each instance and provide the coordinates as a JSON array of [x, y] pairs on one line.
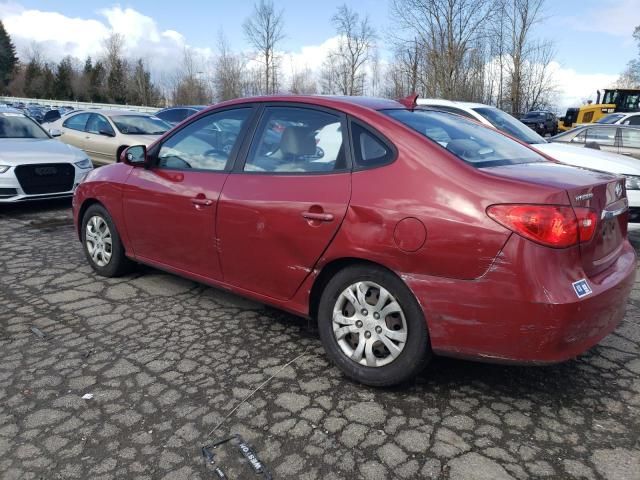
[[452, 103], [329, 101], [112, 113]]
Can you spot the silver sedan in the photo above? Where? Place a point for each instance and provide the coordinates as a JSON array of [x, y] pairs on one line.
[[32, 164]]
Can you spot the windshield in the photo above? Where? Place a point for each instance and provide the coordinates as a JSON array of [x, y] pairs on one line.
[[611, 118], [140, 125], [18, 125], [477, 145], [506, 123], [534, 116]]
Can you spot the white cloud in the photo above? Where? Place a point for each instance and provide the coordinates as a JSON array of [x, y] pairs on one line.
[[58, 35], [575, 88], [613, 17]]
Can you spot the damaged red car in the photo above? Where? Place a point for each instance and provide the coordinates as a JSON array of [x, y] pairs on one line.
[[403, 232]]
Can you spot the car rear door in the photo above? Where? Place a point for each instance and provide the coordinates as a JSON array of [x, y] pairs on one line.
[[630, 142], [280, 209], [605, 137], [170, 208], [99, 139]]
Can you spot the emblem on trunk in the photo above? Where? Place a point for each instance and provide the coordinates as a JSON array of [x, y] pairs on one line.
[[618, 190], [584, 196]]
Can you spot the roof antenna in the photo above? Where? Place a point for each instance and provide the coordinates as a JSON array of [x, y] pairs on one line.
[[411, 102]]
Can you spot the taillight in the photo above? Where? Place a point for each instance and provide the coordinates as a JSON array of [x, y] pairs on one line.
[[550, 225]]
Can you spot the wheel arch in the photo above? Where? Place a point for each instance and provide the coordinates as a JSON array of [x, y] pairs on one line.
[[333, 267], [83, 208]]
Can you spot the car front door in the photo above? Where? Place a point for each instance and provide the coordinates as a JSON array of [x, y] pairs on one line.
[[73, 130], [630, 142], [280, 209], [99, 139], [170, 207]]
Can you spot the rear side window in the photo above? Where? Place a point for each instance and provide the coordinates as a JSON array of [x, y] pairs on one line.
[[370, 151], [77, 122], [477, 145], [297, 140], [631, 137]]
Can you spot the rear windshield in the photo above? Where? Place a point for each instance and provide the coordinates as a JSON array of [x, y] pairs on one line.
[[611, 118], [17, 125], [506, 123], [534, 116], [140, 125], [477, 145]]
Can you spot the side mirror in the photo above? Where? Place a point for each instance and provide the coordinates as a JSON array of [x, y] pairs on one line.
[[106, 133], [54, 132], [135, 156]]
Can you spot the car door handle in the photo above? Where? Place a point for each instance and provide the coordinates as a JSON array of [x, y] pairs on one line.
[[321, 217], [628, 154], [202, 202]]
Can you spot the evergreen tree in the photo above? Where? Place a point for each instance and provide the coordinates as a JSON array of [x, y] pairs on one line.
[[141, 90], [62, 87], [117, 82], [48, 82], [33, 79], [8, 58], [97, 83]]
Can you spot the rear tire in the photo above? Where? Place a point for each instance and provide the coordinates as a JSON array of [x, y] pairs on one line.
[[372, 327], [101, 243]]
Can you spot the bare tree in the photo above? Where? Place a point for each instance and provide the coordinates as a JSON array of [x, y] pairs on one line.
[[264, 31], [229, 72], [302, 82], [630, 77], [344, 71], [447, 32], [520, 17], [189, 86]]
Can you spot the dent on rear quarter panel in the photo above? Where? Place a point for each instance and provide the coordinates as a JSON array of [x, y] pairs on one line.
[[105, 184]]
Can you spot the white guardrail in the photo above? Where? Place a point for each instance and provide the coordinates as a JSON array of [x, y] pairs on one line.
[[78, 105]]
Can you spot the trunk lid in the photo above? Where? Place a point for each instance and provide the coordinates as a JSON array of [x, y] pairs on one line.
[[603, 193], [609, 201]]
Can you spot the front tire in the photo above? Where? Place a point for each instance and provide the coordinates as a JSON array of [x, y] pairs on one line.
[[372, 327], [102, 245]]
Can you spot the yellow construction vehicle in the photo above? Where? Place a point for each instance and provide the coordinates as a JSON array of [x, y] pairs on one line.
[[613, 100]]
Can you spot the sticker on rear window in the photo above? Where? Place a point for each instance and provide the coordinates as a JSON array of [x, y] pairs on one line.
[[582, 288]]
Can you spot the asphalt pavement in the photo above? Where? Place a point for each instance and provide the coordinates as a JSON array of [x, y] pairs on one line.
[[125, 378]]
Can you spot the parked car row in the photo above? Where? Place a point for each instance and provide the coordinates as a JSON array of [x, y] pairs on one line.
[[374, 217]]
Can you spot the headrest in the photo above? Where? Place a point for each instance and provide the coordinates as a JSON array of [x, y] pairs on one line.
[[298, 141]]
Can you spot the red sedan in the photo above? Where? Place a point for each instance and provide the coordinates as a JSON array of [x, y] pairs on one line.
[[401, 231]]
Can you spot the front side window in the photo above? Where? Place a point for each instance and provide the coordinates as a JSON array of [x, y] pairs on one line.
[[97, 124], [205, 144], [140, 125], [477, 145], [17, 125], [630, 137], [77, 122], [291, 140], [507, 124], [605, 136]]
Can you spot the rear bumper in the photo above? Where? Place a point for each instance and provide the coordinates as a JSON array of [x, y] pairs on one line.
[[524, 309]]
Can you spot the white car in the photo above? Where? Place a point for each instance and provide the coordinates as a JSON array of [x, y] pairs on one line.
[[33, 165], [620, 118], [569, 154]]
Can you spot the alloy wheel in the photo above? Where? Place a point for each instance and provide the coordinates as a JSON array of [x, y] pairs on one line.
[[369, 324], [99, 241]]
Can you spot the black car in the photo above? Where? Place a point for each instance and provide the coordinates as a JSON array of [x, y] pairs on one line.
[[175, 115], [541, 121]]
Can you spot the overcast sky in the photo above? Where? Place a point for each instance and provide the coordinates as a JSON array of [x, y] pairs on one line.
[[593, 38]]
